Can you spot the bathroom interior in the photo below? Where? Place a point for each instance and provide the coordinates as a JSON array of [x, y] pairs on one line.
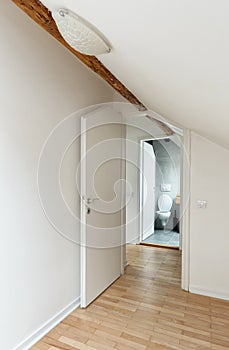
[[166, 230]]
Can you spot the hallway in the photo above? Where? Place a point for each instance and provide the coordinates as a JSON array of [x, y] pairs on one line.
[[145, 310]]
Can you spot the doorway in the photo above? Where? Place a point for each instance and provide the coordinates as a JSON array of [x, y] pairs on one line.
[[160, 189], [142, 129], [90, 203]]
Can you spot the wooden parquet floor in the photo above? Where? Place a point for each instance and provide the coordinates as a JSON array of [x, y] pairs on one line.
[[145, 309]]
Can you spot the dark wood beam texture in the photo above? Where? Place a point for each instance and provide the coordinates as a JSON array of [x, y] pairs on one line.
[[42, 16]]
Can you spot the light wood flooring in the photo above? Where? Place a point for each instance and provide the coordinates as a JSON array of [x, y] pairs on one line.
[[145, 309]]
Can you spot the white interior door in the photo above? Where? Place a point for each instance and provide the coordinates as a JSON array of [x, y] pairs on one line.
[[148, 190], [101, 190]]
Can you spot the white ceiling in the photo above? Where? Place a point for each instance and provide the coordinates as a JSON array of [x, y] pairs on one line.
[[173, 55]]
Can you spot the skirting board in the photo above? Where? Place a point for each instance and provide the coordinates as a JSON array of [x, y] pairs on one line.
[[47, 326], [207, 293]]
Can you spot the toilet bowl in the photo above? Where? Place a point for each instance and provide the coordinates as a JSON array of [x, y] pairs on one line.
[[164, 204]]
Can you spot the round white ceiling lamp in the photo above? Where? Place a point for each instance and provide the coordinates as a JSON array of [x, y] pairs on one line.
[[80, 34]]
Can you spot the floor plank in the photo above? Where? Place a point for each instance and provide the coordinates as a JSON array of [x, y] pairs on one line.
[[145, 309]]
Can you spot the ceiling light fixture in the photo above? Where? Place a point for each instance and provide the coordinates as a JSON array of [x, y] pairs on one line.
[[80, 34]]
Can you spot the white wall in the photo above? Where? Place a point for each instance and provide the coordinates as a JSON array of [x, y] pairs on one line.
[[41, 83], [209, 237]]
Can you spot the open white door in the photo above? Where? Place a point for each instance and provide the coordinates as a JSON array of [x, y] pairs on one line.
[[148, 190], [101, 190]]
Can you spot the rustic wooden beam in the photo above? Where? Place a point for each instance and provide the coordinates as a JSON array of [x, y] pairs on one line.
[[167, 130], [42, 16]]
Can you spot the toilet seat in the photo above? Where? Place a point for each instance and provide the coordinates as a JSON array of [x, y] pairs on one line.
[[164, 203]]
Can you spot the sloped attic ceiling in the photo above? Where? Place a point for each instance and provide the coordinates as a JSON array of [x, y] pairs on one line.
[[173, 55]]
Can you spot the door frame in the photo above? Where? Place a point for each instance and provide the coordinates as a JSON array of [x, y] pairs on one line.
[[184, 206], [185, 209], [141, 182]]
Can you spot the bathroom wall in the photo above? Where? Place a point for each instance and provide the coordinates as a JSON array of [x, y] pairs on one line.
[[209, 235], [41, 84], [167, 172]]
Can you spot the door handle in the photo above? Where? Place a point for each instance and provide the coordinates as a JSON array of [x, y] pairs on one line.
[[91, 200]]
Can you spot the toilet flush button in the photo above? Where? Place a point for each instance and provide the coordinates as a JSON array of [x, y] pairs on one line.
[[202, 204]]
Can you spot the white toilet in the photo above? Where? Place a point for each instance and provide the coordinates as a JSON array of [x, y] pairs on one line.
[[164, 204]]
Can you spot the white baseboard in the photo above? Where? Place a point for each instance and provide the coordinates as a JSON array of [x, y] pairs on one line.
[[208, 293], [47, 326], [133, 242]]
